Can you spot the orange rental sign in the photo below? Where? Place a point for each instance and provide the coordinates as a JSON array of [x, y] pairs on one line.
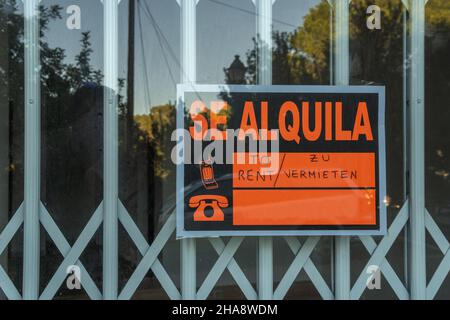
[[280, 160]]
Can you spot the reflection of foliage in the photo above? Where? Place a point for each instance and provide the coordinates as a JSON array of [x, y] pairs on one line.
[[71, 97], [12, 88], [158, 126], [311, 43], [376, 57], [437, 100], [438, 14], [300, 56], [377, 54], [82, 72], [252, 62], [72, 129]]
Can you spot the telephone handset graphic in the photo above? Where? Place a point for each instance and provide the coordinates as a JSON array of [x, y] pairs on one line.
[[213, 202], [207, 175]]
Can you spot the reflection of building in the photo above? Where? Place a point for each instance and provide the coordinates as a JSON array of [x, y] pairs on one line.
[[235, 73]]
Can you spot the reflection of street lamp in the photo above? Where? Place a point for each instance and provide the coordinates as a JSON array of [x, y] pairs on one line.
[[236, 72]]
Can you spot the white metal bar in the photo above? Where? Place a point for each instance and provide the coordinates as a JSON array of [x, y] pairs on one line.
[[264, 72], [73, 255], [311, 270], [219, 267], [136, 236], [235, 271], [417, 263], [438, 277], [388, 271], [378, 256], [342, 244], [64, 247], [264, 36], [331, 43], [111, 150], [296, 266], [32, 152], [341, 20], [435, 232], [11, 228], [149, 259], [188, 75], [6, 285]]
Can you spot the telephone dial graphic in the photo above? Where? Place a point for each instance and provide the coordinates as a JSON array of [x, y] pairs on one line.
[[211, 202]]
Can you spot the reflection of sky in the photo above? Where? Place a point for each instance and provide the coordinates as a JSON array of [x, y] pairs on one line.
[[224, 28]]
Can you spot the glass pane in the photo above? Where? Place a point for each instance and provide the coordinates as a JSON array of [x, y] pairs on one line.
[[225, 38], [11, 130], [437, 136], [302, 42], [72, 126], [149, 62], [301, 55], [225, 35], [377, 58], [72, 101]]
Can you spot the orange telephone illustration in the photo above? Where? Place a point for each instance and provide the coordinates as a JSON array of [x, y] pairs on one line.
[[212, 202]]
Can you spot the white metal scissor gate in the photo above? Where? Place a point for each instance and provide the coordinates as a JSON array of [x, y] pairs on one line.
[[111, 212]]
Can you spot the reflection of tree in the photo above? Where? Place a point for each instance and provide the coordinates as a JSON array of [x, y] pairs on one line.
[[11, 81], [61, 84], [154, 131], [438, 16], [158, 126], [311, 44], [376, 57], [72, 134], [437, 101], [303, 57]]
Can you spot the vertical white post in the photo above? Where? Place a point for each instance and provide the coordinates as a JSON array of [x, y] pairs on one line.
[[264, 72], [330, 3], [264, 32], [342, 244], [188, 75], [111, 150], [417, 152], [32, 152], [341, 20]]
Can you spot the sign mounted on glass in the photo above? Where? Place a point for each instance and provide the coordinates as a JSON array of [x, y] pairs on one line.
[[280, 160]]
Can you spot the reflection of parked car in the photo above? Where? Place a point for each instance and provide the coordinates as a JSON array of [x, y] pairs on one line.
[[197, 188]]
